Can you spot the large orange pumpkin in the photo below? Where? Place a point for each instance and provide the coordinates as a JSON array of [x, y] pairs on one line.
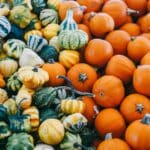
[[82, 76], [2, 81], [119, 40], [141, 80], [148, 6], [109, 91], [134, 107], [87, 17], [146, 35], [110, 121], [98, 52], [146, 59], [121, 67]]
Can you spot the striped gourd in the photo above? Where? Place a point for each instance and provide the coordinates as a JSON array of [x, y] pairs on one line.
[[70, 106], [5, 27], [36, 42], [48, 16], [14, 48]]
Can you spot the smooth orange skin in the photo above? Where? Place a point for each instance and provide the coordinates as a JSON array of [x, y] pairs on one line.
[[138, 47], [148, 6], [86, 19], [146, 35], [146, 59], [98, 52], [53, 71], [119, 40], [128, 107], [76, 70], [138, 135], [2, 81], [141, 80], [132, 29], [109, 91], [110, 121], [121, 67], [129, 19]]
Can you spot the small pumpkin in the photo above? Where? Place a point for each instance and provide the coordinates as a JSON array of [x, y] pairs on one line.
[[54, 42], [146, 59], [2, 81], [4, 9], [43, 146], [3, 96], [3, 112], [51, 131], [53, 4]]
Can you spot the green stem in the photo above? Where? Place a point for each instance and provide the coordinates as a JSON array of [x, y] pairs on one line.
[[108, 136], [146, 119]]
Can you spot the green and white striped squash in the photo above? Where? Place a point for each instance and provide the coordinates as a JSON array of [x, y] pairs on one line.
[[36, 42], [70, 141], [4, 9], [5, 27], [48, 16], [14, 48], [43, 147]]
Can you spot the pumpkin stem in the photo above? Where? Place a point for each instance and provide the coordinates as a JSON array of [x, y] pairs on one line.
[[132, 12], [82, 8], [139, 108], [83, 77], [92, 14], [96, 111], [51, 61], [133, 38], [146, 119], [108, 136], [35, 69]]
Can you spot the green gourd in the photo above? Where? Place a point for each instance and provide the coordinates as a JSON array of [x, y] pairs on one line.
[[3, 112]]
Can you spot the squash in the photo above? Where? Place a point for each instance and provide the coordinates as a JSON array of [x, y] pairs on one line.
[[48, 16], [3, 96], [43, 147], [3, 112], [2, 81], [20, 140], [33, 77], [75, 123], [4, 130], [20, 15], [36, 42], [8, 66], [53, 4], [54, 42], [14, 48], [4, 9], [51, 131], [5, 27]]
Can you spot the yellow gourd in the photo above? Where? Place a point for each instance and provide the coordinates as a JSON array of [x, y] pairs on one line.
[[3, 96]]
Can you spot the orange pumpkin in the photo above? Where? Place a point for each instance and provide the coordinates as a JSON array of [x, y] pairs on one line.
[[87, 17], [134, 107], [110, 121], [109, 91], [138, 47], [119, 40], [121, 67], [146, 35], [148, 6], [132, 28], [54, 69], [98, 52], [82, 76], [138, 134], [141, 80], [2, 81], [129, 19], [146, 59], [101, 23]]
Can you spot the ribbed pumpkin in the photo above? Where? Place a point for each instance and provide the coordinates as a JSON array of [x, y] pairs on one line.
[[51, 131], [3, 96], [146, 59]]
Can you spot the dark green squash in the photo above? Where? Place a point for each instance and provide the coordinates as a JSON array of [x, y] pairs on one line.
[[3, 112]]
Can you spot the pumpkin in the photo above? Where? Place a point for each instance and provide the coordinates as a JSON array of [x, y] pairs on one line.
[[48, 16], [3, 96], [113, 143], [21, 140], [134, 133], [5, 27], [44, 97], [54, 69], [3, 112], [141, 81], [105, 124], [43, 146], [121, 67], [135, 46], [34, 117], [2, 81], [4, 9], [36, 42], [20, 15], [104, 95], [69, 58], [54, 42], [146, 59], [14, 48], [53, 4], [4, 130], [97, 19], [30, 58], [50, 30], [134, 107], [87, 17], [96, 47], [51, 131], [75, 123], [82, 76], [33, 77], [119, 41]]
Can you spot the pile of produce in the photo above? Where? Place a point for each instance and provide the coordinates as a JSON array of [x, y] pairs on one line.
[[74, 74]]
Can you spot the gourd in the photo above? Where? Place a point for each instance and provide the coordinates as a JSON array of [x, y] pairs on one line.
[[8, 66], [54, 42], [43, 147], [36, 42], [4, 130], [4, 9], [48, 16], [3, 112], [75, 123], [54, 4], [20, 140], [14, 83], [5, 27], [20, 15], [3, 96], [51, 131], [14, 48], [33, 77], [2, 81]]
